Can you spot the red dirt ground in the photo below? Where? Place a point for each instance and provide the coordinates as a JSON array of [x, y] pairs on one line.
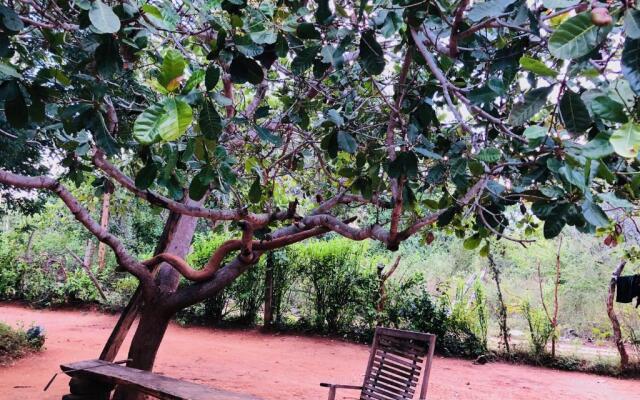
[[278, 367]]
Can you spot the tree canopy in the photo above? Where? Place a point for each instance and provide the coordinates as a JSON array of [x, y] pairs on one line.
[[290, 119]]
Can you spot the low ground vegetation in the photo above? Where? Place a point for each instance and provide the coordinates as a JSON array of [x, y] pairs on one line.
[[17, 342]]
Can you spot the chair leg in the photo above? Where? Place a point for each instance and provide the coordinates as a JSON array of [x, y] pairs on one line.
[[332, 393]]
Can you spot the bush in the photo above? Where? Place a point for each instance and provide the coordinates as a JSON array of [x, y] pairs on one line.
[[420, 311], [540, 328], [342, 288], [15, 343]]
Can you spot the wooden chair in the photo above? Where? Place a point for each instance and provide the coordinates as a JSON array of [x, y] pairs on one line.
[[397, 360]]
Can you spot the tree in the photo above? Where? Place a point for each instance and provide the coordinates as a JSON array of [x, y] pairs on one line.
[[292, 119]]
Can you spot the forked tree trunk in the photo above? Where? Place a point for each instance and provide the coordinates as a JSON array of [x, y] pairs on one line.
[[154, 319]]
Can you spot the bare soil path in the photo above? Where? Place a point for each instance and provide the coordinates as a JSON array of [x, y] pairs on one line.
[[278, 367]]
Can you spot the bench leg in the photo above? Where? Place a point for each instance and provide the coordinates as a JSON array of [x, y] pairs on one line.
[[82, 389]]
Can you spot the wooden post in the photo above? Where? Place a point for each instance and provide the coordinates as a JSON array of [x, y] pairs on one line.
[[268, 292], [119, 333], [615, 324]]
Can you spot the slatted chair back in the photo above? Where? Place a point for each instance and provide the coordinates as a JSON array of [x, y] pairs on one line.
[[397, 360]]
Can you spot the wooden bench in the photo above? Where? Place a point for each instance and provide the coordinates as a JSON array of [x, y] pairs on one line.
[[155, 385]]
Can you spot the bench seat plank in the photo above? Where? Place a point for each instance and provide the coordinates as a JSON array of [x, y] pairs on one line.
[[159, 386]]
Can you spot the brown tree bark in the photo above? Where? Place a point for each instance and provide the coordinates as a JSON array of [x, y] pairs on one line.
[[382, 288], [502, 322], [104, 223], [268, 293], [154, 315], [88, 253], [615, 324]]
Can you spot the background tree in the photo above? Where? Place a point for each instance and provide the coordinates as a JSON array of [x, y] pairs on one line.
[[288, 120]]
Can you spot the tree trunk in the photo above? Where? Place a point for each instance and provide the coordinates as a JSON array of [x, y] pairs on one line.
[[104, 223], [615, 324], [502, 322], [144, 346], [27, 255], [88, 253], [268, 293], [154, 319]]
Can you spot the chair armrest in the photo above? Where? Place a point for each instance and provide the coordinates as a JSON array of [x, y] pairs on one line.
[[338, 386]]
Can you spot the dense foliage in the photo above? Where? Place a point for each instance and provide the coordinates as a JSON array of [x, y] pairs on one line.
[[248, 95]]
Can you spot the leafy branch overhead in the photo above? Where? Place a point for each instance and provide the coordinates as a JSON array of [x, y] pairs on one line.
[[371, 119]]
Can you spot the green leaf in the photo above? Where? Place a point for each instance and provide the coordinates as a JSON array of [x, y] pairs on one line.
[[631, 63], [10, 20], [575, 115], [194, 80], [607, 108], [632, 23], [307, 30], [335, 117], [264, 36], [405, 164], [255, 191], [576, 37], [598, 147], [146, 176], [245, 69], [101, 134], [371, 56], [594, 214], [304, 60], [537, 67], [210, 121], [553, 227], [103, 19], [488, 155], [626, 140], [266, 135], [346, 142], [164, 121], [107, 56], [16, 112], [155, 15], [615, 201], [488, 9], [531, 104], [472, 242], [247, 47], [200, 183], [553, 4], [282, 47], [171, 70], [323, 12], [535, 134]]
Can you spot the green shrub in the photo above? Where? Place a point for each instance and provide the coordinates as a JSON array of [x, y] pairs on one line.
[[15, 343], [341, 287], [540, 328], [420, 311]]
